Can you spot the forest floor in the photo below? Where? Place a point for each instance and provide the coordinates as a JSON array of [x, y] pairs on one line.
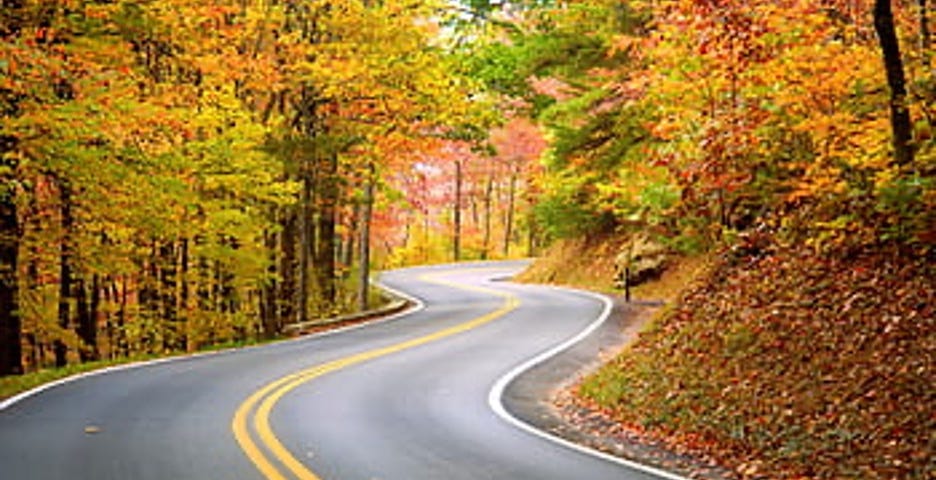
[[772, 362]]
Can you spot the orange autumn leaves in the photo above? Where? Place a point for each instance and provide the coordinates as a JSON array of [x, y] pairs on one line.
[[151, 152], [760, 103]]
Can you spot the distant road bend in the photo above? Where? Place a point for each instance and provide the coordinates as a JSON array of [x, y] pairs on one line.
[[402, 399]]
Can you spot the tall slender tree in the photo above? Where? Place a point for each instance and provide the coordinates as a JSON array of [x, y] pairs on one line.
[[10, 324], [901, 125]]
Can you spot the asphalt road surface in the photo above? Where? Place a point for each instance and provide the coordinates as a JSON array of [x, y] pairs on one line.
[[402, 399]]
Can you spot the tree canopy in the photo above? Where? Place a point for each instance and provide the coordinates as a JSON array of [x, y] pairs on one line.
[[180, 173]]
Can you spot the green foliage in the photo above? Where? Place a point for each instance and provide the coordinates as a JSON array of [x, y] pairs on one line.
[[500, 67], [565, 210], [565, 54], [905, 205]]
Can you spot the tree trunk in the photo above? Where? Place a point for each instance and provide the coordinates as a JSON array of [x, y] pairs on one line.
[[203, 286], [488, 204], [109, 300], [95, 313], [325, 250], [268, 314], [508, 224], [925, 35], [11, 355], [31, 222], [87, 320], [288, 286], [174, 331], [893, 65], [66, 257], [531, 233], [364, 241], [229, 295], [456, 240], [149, 283], [427, 251], [347, 250], [205, 291], [407, 230], [182, 305], [123, 343], [305, 244], [424, 191]]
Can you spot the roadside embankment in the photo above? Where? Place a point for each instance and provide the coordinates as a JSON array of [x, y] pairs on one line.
[[784, 362]]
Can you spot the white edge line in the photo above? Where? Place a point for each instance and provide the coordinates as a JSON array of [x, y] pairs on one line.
[[418, 305], [496, 394]]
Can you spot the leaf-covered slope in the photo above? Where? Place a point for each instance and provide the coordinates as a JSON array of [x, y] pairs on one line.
[[790, 364], [585, 262], [589, 263]]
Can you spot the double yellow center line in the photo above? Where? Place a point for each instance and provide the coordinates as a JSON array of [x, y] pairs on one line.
[[255, 411]]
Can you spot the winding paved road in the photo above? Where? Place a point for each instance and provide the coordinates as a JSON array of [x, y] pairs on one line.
[[401, 399]]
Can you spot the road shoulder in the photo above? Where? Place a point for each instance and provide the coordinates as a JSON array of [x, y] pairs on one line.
[[542, 397]]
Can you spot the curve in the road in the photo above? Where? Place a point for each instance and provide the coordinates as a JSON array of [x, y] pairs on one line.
[[496, 395], [422, 413], [417, 305], [262, 401]]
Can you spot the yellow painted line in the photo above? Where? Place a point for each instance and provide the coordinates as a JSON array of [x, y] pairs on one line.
[[242, 435], [267, 396]]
